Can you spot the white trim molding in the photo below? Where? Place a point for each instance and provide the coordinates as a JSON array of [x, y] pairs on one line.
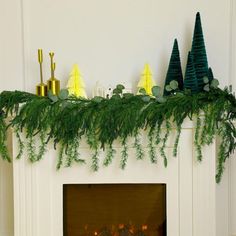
[[233, 45], [6, 195], [232, 161]]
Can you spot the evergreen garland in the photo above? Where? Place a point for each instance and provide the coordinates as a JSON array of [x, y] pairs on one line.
[[102, 121]]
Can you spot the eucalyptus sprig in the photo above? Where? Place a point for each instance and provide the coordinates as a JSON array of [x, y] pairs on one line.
[[119, 89], [172, 87], [210, 84], [63, 95]]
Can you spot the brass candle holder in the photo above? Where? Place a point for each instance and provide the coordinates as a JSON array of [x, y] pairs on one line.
[[41, 89], [53, 84]]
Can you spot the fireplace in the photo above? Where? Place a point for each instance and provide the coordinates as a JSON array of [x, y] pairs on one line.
[[190, 190], [114, 210]]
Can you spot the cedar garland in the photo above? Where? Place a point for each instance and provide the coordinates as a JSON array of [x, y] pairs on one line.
[[102, 121]]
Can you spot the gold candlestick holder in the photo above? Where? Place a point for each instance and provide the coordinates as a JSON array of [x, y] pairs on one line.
[[41, 89], [53, 84]]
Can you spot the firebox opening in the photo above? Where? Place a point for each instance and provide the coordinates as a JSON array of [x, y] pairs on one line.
[[114, 210]]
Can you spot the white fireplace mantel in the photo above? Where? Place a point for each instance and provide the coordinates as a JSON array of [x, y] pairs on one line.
[[191, 188]]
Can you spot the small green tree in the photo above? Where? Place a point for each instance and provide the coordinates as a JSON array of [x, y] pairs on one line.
[[76, 84], [210, 75], [199, 53], [146, 81], [190, 80], [174, 71]]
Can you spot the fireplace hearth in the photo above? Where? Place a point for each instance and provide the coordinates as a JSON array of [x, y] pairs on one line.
[[114, 210]]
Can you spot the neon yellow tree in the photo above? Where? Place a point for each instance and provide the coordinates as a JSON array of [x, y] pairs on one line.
[[146, 82], [76, 84]]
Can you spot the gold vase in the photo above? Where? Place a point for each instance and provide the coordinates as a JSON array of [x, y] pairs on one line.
[[53, 85], [41, 90]]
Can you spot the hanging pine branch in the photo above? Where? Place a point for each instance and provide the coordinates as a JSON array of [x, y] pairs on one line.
[[174, 70], [199, 53]]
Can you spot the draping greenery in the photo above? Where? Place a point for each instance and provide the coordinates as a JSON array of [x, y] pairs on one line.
[[67, 120]]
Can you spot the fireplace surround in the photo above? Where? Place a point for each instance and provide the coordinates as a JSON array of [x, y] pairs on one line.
[[190, 187]]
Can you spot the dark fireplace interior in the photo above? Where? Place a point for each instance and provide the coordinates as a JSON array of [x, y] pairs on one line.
[[114, 210]]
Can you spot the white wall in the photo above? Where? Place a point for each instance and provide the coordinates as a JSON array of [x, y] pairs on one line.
[[11, 78], [111, 40], [11, 46]]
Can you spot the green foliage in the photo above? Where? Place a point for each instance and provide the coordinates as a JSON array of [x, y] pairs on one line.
[[109, 155], [172, 87], [199, 53], [174, 72], [161, 99], [52, 97], [3, 136], [142, 91], [102, 121], [20, 144], [151, 146], [210, 82], [214, 83], [138, 147], [205, 80], [63, 94], [196, 138], [118, 90], [156, 91], [124, 155], [162, 149], [178, 129]]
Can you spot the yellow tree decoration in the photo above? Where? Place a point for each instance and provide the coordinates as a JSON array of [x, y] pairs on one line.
[[76, 84], [146, 82]]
